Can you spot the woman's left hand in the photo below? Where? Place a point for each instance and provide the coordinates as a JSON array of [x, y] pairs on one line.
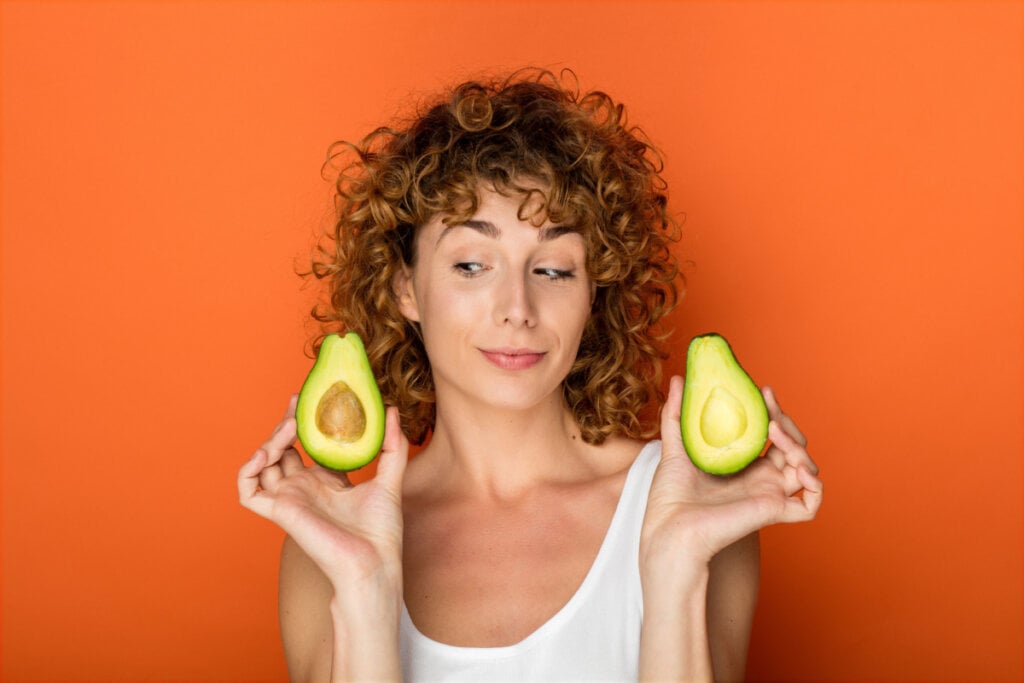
[[694, 515]]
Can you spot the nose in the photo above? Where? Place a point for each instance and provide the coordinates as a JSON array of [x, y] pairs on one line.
[[515, 303]]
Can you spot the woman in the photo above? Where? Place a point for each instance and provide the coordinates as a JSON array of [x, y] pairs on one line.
[[505, 258]]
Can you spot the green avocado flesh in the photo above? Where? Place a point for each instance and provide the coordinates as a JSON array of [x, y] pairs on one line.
[[340, 415], [724, 417]]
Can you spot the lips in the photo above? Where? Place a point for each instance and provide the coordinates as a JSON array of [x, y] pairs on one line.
[[512, 358]]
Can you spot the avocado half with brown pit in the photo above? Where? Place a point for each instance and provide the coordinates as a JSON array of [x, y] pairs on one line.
[[724, 418], [340, 414]]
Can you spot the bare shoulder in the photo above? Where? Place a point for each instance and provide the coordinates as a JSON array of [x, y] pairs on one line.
[[732, 598], [616, 455], [304, 597]]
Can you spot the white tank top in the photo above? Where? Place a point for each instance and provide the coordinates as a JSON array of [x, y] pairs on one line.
[[594, 637]]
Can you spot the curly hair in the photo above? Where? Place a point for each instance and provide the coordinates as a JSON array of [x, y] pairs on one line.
[[515, 134]]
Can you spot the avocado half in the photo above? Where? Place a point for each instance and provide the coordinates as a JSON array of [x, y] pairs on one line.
[[724, 418], [340, 414]]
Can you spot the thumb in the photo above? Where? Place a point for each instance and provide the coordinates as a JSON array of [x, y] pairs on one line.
[[671, 434], [394, 453]]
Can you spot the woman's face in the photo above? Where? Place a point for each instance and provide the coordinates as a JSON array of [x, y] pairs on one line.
[[501, 303]]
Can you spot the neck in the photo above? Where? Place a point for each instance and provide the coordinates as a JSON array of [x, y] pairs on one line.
[[497, 453]]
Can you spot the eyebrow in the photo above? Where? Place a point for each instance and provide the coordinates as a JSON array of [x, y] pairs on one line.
[[489, 229]]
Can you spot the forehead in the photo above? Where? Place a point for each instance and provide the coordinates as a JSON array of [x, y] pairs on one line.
[[545, 233], [495, 213], [524, 200]]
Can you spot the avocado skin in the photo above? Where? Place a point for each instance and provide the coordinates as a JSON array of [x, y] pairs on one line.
[[712, 370], [341, 359]]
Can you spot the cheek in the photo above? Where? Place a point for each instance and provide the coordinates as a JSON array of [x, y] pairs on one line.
[[572, 315], [580, 305], [446, 310]]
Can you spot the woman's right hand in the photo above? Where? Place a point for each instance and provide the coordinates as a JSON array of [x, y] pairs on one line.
[[353, 533]]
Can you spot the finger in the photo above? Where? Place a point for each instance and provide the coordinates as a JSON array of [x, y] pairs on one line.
[[775, 473], [774, 411], [787, 424], [270, 477], [280, 441], [291, 462], [814, 490], [791, 483], [288, 413], [807, 506], [249, 482], [795, 454], [785, 421], [776, 457], [671, 434], [394, 453]]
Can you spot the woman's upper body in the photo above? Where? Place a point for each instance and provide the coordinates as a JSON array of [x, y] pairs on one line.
[[506, 259], [562, 600]]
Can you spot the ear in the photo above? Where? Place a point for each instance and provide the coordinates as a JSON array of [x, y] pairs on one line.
[[401, 285]]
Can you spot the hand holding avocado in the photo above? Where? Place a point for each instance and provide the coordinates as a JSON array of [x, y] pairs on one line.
[[716, 511], [347, 530]]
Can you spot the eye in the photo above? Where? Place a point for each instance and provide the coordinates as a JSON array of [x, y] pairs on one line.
[[555, 274], [468, 268]]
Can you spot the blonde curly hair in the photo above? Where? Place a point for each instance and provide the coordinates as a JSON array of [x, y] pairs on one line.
[[514, 134]]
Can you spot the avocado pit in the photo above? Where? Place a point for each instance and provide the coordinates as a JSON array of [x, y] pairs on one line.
[[340, 415]]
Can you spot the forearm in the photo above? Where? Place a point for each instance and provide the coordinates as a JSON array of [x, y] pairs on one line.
[[674, 638], [365, 635]]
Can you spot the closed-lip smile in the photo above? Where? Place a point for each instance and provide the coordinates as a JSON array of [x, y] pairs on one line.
[[511, 358]]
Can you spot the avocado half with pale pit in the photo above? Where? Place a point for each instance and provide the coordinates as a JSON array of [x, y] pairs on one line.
[[724, 418], [340, 415]]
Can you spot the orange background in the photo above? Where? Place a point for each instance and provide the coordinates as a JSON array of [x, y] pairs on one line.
[[852, 178]]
